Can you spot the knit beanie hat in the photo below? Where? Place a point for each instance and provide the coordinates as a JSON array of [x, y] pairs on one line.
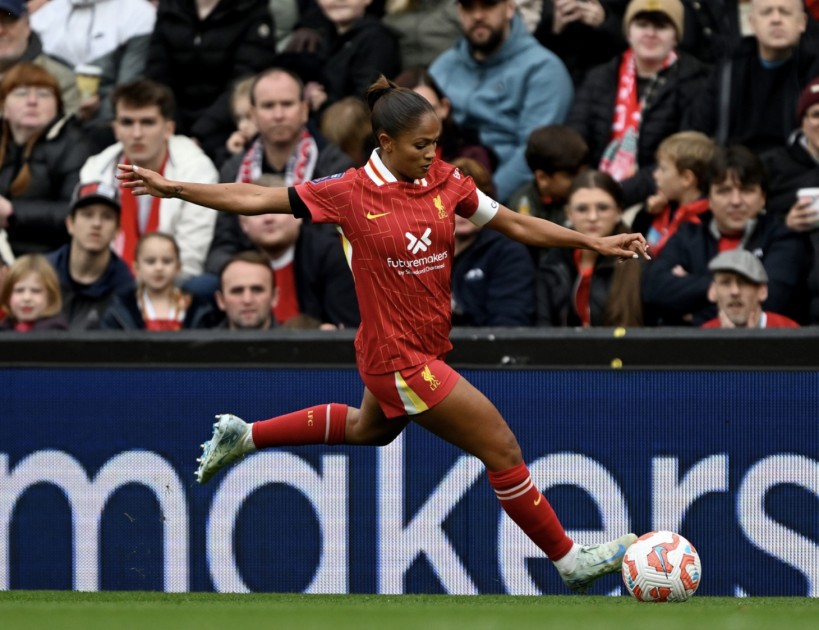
[[672, 9], [808, 98]]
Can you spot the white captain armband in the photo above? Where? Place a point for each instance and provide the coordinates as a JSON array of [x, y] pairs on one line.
[[487, 209]]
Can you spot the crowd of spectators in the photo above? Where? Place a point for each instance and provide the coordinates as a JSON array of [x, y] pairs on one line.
[[694, 123]]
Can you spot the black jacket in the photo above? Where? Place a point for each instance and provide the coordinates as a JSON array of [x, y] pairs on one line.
[[84, 305], [38, 222], [557, 284], [789, 168], [784, 253], [493, 283], [734, 107], [666, 112], [201, 59]]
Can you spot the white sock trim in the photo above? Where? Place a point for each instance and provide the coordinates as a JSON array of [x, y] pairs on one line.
[[248, 446], [568, 563]]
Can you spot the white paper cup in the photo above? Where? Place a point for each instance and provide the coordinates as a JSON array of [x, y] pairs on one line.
[[813, 195]]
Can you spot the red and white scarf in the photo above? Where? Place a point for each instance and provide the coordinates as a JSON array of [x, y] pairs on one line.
[[299, 168], [131, 228], [174, 319], [620, 156]]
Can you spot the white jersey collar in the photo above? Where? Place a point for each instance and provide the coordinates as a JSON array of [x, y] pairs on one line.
[[380, 174]]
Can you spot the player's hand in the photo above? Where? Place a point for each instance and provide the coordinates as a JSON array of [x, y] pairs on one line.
[[624, 246], [143, 181]]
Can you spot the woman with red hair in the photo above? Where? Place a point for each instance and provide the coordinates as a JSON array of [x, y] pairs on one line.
[[41, 153]]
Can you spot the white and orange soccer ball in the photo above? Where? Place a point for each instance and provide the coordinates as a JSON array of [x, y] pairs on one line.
[[661, 567]]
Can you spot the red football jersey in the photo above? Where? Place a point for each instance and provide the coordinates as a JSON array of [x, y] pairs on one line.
[[399, 240]]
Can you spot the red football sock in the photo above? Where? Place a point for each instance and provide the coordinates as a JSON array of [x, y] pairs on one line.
[[322, 424], [524, 504]]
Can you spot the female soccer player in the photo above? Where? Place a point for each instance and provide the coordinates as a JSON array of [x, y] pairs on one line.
[[396, 215]]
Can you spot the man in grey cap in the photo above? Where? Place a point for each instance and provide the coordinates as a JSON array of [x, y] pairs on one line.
[[739, 288]]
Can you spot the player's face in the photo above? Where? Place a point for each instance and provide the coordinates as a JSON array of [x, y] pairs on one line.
[[93, 227], [156, 264], [486, 26], [737, 297], [144, 134], [343, 13], [279, 112], [14, 34], [247, 296], [651, 40], [733, 204], [274, 233], [410, 155], [777, 24], [28, 300], [810, 127], [668, 179], [592, 211]]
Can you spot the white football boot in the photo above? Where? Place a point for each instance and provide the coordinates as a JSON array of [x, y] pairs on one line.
[[594, 561], [226, 445]]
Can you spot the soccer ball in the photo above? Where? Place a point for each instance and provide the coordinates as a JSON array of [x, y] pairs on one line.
[[661, 567]]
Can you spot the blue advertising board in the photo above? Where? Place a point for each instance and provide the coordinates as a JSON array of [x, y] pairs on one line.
[[97, 489]]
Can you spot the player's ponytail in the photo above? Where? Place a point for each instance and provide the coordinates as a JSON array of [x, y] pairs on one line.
[[394, 109]]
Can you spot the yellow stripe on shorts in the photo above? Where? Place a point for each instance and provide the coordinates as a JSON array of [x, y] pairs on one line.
[[411, 401]]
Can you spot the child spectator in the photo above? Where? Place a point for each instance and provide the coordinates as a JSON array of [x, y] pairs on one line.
[[555, 154], [240, 106], [680, 176], [358, 47], [579, 287], [158, 304], [31, 296], [346, 123], [675, 283]]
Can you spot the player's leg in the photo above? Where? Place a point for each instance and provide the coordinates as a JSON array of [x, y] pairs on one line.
[[331, 423], [467, 419]]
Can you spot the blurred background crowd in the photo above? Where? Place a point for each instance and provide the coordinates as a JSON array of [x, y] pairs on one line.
[[693, 122]]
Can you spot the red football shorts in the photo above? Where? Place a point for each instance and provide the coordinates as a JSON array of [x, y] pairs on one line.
[[412, 390]]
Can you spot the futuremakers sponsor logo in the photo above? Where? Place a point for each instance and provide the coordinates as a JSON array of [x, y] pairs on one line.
[[418, 266]]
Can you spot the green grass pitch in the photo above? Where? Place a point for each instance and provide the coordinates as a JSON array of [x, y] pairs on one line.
[[58, 610]]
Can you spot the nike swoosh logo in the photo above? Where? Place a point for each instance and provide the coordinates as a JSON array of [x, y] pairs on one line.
[[538, 500], [371, 216], [621, 551]]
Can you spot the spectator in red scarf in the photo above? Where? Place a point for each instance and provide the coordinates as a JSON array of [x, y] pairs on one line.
[[145, 130], [577, 287], [680, 176], [286, 148], [625, 107]]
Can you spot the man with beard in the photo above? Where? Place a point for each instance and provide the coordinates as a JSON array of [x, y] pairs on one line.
[[502, 83]]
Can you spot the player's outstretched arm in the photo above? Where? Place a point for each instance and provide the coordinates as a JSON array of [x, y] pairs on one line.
[[541, 233], [237, 198]]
